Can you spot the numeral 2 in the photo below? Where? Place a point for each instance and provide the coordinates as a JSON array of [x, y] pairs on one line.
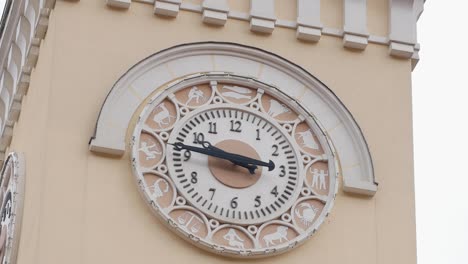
[[275, 151]]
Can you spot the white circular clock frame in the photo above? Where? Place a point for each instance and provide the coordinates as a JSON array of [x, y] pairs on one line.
[[165, 186]]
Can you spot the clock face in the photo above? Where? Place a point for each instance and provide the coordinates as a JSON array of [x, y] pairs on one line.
[[220, 188], [234, 165]]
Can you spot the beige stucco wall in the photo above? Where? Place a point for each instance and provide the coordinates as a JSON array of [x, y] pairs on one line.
[[84, 208]]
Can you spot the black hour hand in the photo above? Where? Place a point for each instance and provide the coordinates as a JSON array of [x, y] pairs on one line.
[[209, 150], [240, 158]]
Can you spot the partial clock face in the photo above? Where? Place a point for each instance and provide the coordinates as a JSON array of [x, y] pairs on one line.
[[11, 191], [234, 165]]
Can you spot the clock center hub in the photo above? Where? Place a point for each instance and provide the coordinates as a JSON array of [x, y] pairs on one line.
[[230, 174]]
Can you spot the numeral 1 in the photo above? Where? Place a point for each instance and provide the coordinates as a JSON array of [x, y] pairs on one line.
[[258, 134]]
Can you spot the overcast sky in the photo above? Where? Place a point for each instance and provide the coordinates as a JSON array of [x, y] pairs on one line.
[[440, 101]]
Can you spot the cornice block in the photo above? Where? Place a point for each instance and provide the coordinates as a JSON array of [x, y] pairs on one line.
[[262, 16], [23, 85], [308, 20], [7, 134], [354, 41], [262, 25], [214, 17], [15, 109], [43, 24], [33, 56], [308, 33], [402, 21], [355, 24], [215, 12], [124, 4], [167, 8], [401, 50]]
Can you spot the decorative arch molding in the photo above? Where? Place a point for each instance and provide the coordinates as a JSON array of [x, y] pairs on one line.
[[175, 64]]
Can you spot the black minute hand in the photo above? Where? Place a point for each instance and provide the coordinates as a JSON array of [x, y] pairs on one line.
[[240, 160], [214, 153]]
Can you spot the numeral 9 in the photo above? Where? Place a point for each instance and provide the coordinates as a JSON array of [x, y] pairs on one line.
[[187, 155]]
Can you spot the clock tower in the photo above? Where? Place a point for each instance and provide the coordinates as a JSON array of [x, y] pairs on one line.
[[207, 131]]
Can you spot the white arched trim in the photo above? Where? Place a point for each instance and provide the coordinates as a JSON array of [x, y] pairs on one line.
[[173, 64]]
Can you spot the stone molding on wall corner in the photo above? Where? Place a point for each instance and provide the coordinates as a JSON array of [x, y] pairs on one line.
[[24, 30], [403, 17]]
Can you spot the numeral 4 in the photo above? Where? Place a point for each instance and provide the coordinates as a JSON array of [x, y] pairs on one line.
[[275, 191]]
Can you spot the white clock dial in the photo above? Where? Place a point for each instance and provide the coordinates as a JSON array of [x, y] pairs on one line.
[[234, 165], [227, 191]]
